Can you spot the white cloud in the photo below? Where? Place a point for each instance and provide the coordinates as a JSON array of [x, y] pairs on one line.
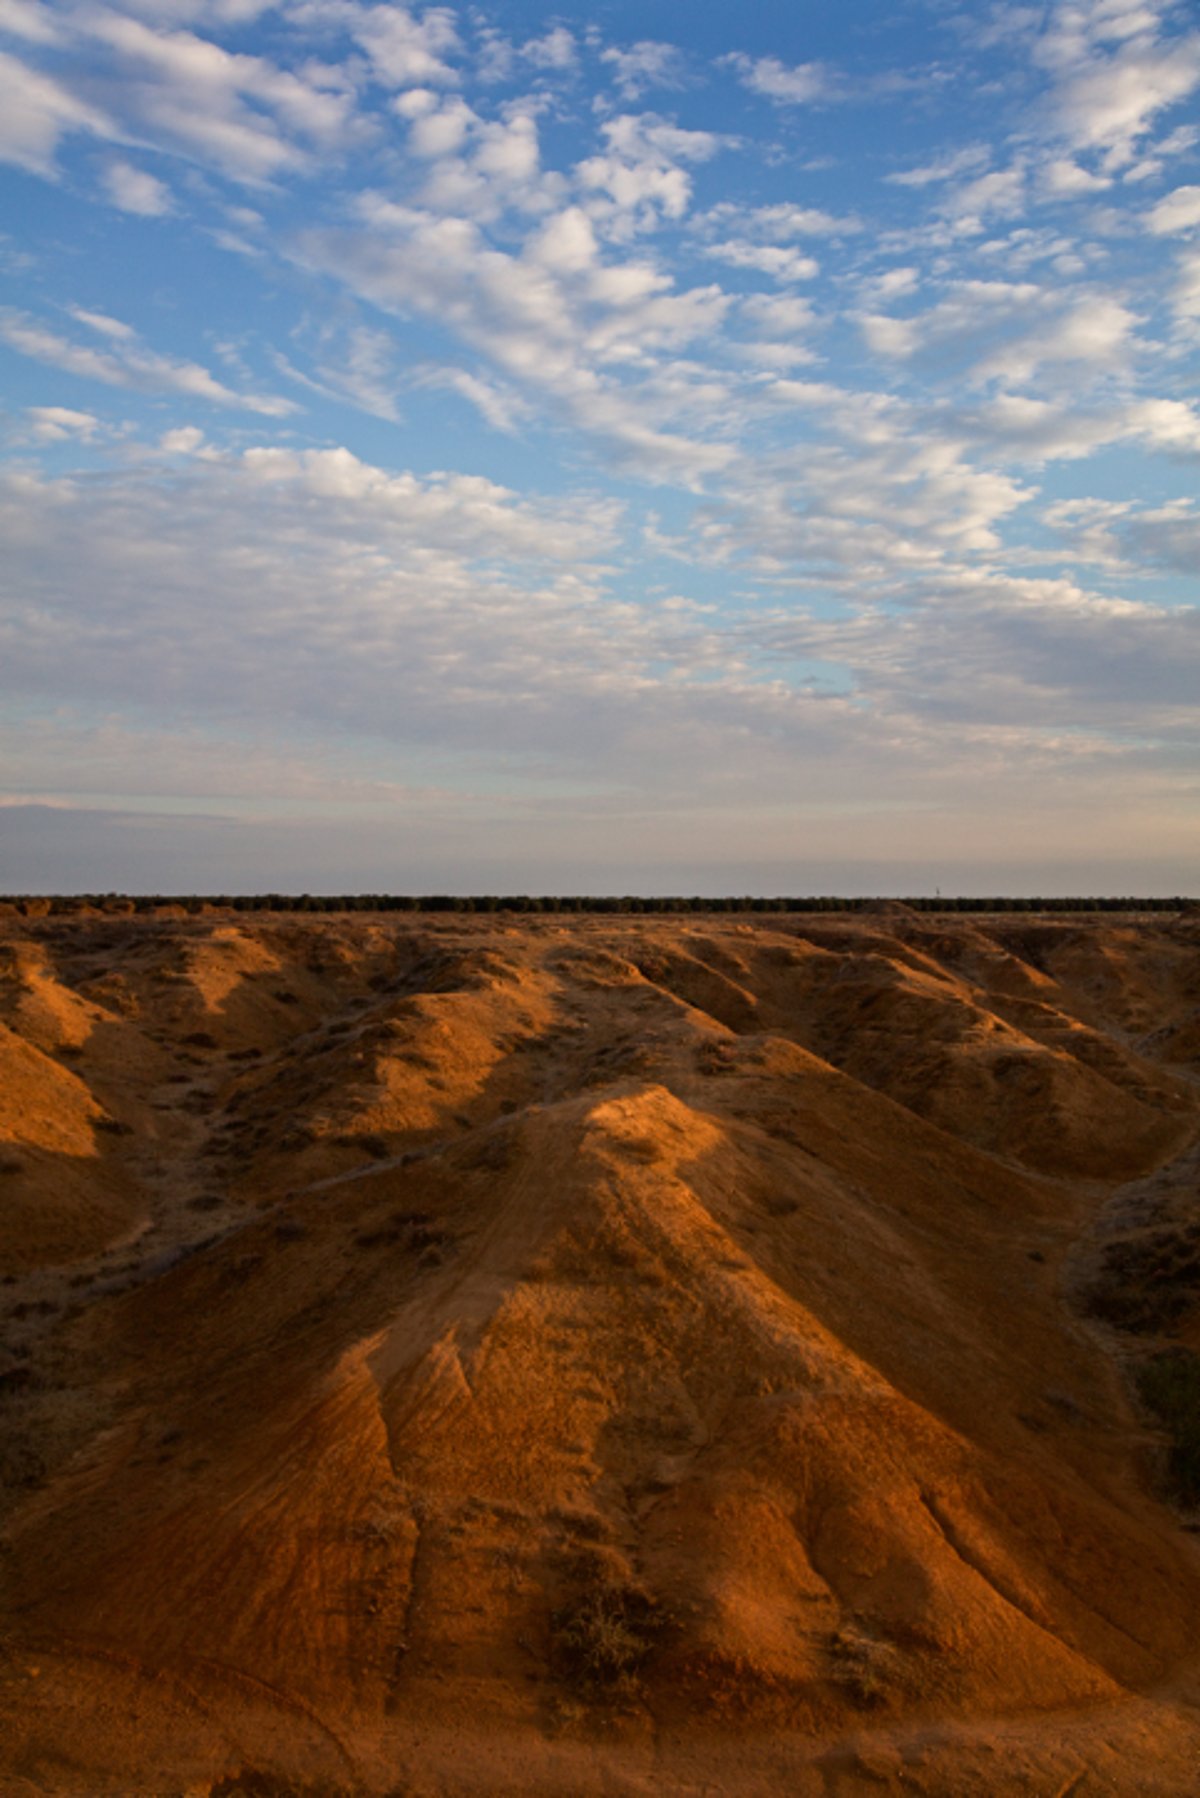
[[31, 339], [1063, 179], [1021, 427], [31, 21], [353, 362], [1097, 329], [890, 337], [552, 321], [89, 760], [1088, 529], [777, 315], [454, 617], [640, 180], [566, 242], [555, 49], [509, 151], [781, 263], [1185, 294], [1177, 211], [36, 112], [499, 407], [407, 51], [135, 190], [1112, 107], [641, 313], [415, 102], [945, 168], [214, 14], [333, 592], [1037, 430], [104, 324], [895, 281], [238, 113], [788, 220], [1170, 536], [1020, 251], [870, 494], [440, 130], [1147, 168], [1000, 194], [1008, 331], [540, 256], [1177, 142], [798, 85], [58, 424], [128, 364], [779, 223], [185, 440], [645, 65], [482, 168], [1038, 667], [1112, 74], [1170, 425]]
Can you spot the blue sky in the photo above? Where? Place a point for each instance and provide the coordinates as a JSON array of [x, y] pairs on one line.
[[642, 448]]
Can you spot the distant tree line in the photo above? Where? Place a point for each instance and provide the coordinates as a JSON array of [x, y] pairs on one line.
[[629, 905]]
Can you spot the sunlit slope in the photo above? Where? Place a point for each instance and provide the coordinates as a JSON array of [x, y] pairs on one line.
[[538, 1329]]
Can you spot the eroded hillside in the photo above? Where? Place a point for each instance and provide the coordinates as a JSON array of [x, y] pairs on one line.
[[608, 1355]]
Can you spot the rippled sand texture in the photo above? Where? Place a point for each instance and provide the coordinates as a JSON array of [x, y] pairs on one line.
[[597, 1355]]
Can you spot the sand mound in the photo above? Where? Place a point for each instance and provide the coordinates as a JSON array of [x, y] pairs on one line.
[[569, 1358]]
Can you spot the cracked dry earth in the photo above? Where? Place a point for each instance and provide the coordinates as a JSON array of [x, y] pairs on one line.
[[674, 1356]]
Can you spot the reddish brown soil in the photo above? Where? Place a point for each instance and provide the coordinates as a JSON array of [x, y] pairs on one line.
[[598, 1356]]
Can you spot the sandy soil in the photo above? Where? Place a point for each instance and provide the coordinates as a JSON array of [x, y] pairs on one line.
[[619, 1356]]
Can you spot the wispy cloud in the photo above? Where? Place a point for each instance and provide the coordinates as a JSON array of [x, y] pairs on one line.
[[128, 363], [36, 112]]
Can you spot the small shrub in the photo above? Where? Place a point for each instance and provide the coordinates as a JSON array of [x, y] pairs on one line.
[[602, 1636], [21, 1467], [1148, 1284], [251, 1783], [408, 1229], [377, 1147], [865, 1666], [1169, 1386]]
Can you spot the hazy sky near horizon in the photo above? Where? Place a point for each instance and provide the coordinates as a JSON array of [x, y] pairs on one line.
[[638, 447]]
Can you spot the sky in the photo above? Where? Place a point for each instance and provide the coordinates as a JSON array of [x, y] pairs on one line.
[[645, 448]]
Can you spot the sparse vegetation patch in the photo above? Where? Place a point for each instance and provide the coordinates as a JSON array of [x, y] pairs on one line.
[[1169, 1386], [603, 1634], [1149, 1283]]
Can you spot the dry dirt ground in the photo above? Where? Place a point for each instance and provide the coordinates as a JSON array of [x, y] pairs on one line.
[[621, 1356]]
